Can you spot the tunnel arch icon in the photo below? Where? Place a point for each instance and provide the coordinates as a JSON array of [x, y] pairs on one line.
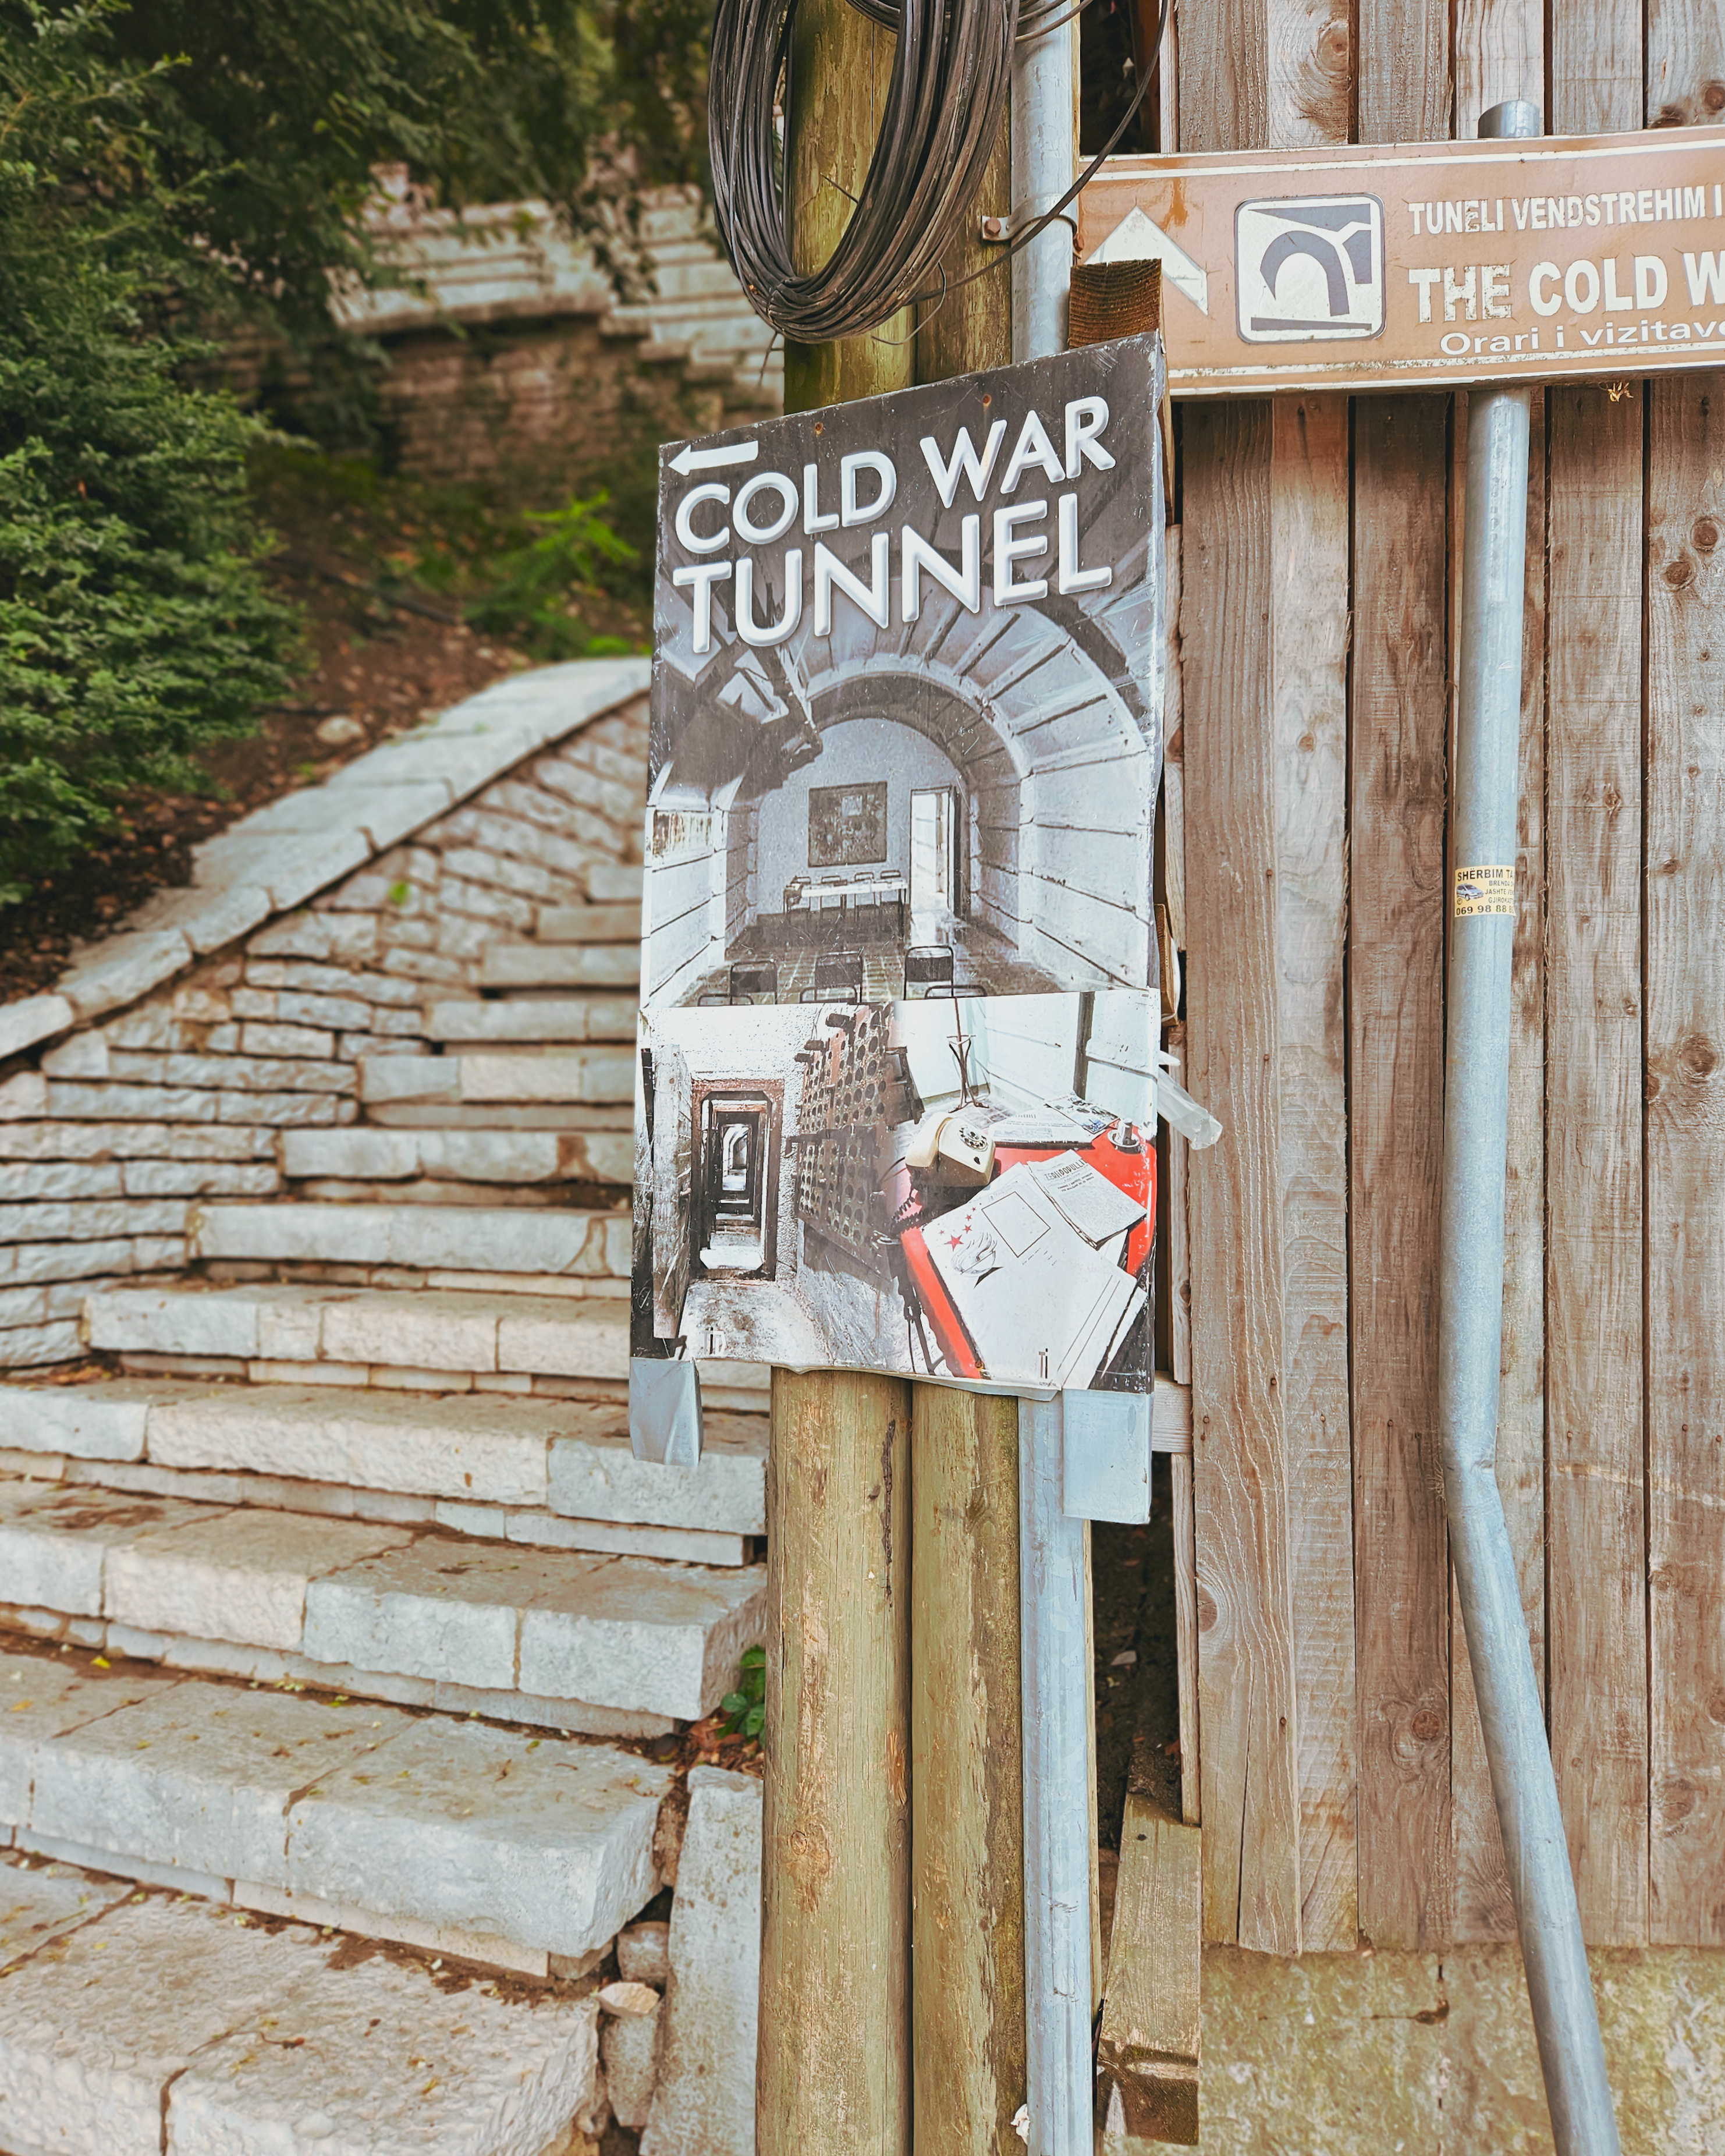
[[1309, 269]]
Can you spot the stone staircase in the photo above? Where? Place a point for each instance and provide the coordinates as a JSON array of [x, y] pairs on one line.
[[334, 1609]]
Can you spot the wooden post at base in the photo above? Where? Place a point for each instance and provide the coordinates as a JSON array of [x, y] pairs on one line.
[[833, 2075], [967, 1808], [834, 2070]]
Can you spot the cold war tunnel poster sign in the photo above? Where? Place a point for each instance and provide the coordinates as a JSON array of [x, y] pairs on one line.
[[1426, 264], [895, 1107]]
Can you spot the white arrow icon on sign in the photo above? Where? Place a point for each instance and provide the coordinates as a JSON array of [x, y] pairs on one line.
[[1137, 239], [739, 452]]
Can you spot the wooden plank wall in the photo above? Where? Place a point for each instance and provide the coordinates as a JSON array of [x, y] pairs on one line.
[[1342, 1781]]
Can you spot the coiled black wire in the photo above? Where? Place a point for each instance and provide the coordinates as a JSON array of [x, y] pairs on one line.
[[952, 78]]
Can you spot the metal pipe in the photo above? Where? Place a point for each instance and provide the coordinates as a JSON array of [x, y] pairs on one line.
[[1056, 1679], [1054, 1613], [1471, 1308], [1044, 159]]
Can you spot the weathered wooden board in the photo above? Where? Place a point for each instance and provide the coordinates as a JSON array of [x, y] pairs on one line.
[[1395, 1000], [967, 1813], [1309, 551], [1310, 104], [1172, 893], [834, 2070], [1248, 1696], [1403, 92], [1147, 2046], [1186, 1636], [1685, 1148], [1685, 1038], [1246, 1671], [1594, 1279], [1500, 53], [1395, 971], [1599, 1696]]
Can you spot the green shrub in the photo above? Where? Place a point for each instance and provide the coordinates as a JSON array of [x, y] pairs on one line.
[[134, 624], [745, 1708]]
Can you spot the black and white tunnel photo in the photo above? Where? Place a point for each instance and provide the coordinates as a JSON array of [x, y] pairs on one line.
[[956, 1187], [908, 695]]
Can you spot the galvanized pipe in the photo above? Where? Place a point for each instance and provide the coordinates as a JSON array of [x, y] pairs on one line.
[[1044, 148], [1056, 1679], [1053, 1612], [1471, 1308]]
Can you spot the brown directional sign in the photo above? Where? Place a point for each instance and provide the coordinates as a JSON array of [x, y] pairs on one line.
[[1429, 263]]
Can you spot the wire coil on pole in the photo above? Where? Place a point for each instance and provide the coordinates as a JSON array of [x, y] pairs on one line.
[[952, 78], [951, 73]]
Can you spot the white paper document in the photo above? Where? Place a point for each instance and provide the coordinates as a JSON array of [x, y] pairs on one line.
[[1096, 1208], [1041, 1306]]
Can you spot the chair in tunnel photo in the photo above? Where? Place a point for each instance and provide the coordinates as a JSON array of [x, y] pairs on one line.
[[838, 978], [754, 981], [928, 970]]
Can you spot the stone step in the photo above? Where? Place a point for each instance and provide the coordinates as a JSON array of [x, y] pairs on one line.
[[615, 883], [475, 1239], [589, 924], [479, 1074], [495, 1021], [339, 1335], [506, 1457], [149, 2025], [560, 966], [362, 1154], [521, 1847], [629, 1635]]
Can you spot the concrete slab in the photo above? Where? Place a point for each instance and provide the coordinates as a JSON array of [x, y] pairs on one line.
[[44, 1696], [240, 1576], [595, 1476], [632, 1633], [704, 2102], [547, 1843], [56, 1543], [201, 1775], [469, 1449], [92, 2035], [459, 1238], [108, 1424], [443, 1608], [40, 1903]]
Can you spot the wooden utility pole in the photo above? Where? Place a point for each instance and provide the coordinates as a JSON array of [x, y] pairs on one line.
[[966, 1810], [833, 2073]]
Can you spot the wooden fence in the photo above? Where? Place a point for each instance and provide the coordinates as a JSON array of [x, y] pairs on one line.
[[1344, 1782]]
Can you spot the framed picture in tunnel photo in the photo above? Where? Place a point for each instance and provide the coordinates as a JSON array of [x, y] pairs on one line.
[[897, 1100]]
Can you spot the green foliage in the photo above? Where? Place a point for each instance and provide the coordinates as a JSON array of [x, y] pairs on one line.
[[533, 580], [291, 107], [134, 625], [557, 584], [747, 1707]]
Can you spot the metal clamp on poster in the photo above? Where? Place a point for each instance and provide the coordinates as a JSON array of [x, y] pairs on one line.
[[899, 1072]]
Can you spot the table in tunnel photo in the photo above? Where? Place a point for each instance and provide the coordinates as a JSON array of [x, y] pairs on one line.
[[807, 899]]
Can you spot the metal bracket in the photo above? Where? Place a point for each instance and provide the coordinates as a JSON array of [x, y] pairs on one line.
[[1105, 1455], [998, 231], [664, 1412]]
